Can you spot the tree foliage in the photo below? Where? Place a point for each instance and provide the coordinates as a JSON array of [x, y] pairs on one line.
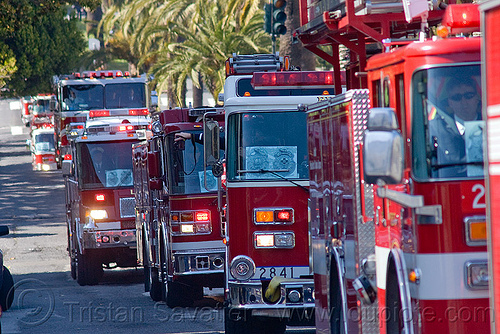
[[42, 41]]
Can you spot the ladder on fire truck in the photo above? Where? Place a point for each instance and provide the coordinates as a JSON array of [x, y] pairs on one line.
[[361, 26]]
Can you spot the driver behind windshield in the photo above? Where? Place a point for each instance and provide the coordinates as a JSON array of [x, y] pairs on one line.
[[457, 133]]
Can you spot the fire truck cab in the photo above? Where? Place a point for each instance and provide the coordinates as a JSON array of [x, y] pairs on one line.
[[268, 281], [178, 221], [41, 144], [104, 93], [99, 195], [397, 187]]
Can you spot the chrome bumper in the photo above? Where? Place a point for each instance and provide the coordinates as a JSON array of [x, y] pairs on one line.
[[250, 295], [209, 261], [109, 239]]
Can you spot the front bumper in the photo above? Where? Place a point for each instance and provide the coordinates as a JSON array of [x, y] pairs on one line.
[[109, 239], [209, 261], [250, 295]]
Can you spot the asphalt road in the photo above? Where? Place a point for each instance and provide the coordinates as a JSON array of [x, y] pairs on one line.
[[47, 299]]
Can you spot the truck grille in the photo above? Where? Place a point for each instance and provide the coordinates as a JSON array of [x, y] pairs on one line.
[[127, 207]]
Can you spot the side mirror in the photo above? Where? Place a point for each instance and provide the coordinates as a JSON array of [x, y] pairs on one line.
[[67, 167], [52, 105], [153, 165], [383, 153], [211, 142]]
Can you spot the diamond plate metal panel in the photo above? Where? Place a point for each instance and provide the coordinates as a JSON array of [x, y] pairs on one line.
[[365, 231], [127, 207]]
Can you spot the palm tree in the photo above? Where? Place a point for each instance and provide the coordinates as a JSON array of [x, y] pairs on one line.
[[218, 29]]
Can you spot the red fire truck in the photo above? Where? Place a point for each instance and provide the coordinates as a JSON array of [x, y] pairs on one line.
[[41, 115], [491, 111], [179, 231], [397, 187], [41, 144], [268, 281], [99, 195], [111, 92]]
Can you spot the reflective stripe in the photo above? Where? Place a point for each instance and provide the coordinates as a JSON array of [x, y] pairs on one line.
[[381, 256], [197, 245], [443, 276]]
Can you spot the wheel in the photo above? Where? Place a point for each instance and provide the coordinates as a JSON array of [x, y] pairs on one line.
[[155, 291], [182, 294], [394, 318], [237, 321], [6, 290], [336, 305], [72, 261], [88, 268]]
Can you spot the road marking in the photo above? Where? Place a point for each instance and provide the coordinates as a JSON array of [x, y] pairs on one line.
[[16, 130]]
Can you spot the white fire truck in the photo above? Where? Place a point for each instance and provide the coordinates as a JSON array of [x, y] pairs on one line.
[[179, 231], [397, 187], [268, 281], [99, 195], [100, 92], [490, 14]]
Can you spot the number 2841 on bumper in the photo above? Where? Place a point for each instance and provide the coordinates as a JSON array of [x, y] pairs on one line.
[[285, 272]]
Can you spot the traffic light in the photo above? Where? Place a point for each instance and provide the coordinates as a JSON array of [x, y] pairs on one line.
[[268, 21], [279, 17]]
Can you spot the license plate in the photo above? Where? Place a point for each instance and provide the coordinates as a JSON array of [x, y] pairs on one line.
[[285, 272]]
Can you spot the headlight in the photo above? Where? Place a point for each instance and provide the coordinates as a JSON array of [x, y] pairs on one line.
[[274, 239], [477, 274], [98, 214], [156, 127], [242, 268], [187, 228]]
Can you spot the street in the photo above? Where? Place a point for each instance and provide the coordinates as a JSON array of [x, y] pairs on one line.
[[47, 299]]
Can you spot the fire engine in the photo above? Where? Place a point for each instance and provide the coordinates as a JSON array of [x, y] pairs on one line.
[[490, 12], [397, 189], [26, 102], [99, 194], [41, 114], [111, 92], [179, 232], [41, 144], [268, 281]]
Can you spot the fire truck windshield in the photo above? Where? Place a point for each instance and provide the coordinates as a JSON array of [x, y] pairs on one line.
[[105, 164], [125, 95], [267, 146], [447, 133], [185, 166], [44, 142], [82, 97]]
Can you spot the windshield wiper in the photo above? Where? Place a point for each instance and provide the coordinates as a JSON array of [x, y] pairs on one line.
[[472, 163], [275, 173]]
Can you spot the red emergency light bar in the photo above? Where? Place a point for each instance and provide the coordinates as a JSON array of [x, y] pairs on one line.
[[138, 112], [98, 113], [462, 18], [67, 157], [294, 78]]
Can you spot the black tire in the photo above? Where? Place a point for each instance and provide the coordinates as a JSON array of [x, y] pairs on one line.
[[88, 268], [156, 289], [393, 319], [6, 290], [237, 321], [336, 306], [181, 294], [72, 261]]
